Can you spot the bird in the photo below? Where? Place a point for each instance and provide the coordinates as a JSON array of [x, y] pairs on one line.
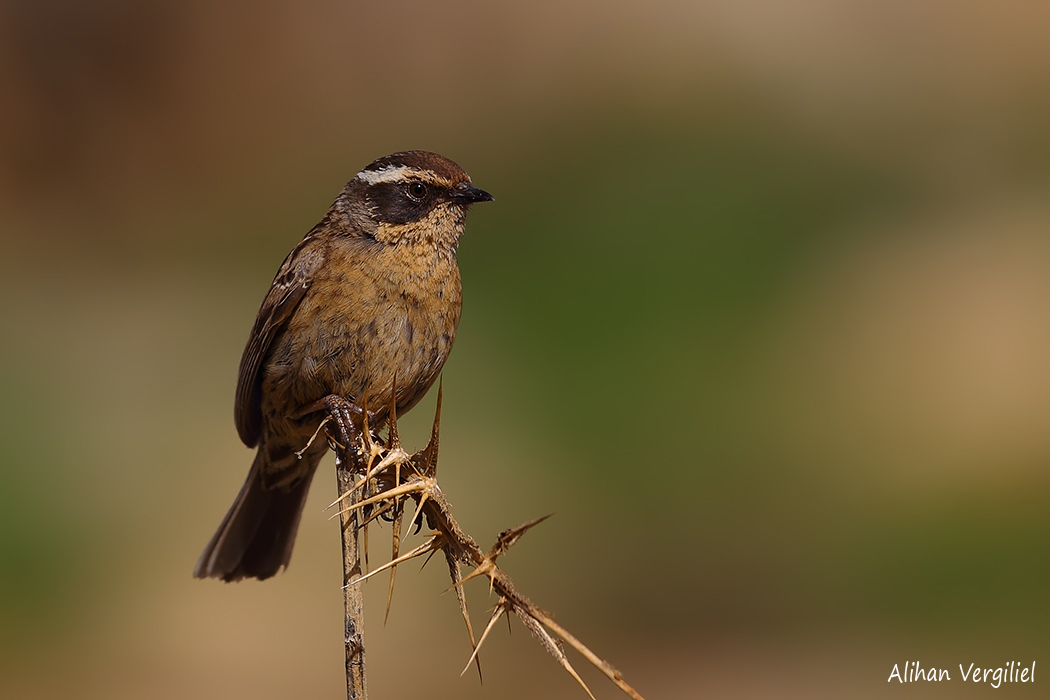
[[364, 307]]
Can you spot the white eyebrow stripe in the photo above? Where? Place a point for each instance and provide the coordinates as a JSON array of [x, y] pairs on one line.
[[389, 174]]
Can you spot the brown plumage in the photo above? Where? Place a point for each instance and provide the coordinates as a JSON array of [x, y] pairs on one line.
[[371, 293]]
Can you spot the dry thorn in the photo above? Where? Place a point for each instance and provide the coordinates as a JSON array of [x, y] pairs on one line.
[[429, 454], [418, 511], [366, 430], [427, 560], [396, 541], [455, 574], [509, 538], [485, 568], [496, 612], [427, 546], [395, 456], [397, 491]]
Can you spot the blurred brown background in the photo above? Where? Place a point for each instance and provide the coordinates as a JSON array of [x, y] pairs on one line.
[[762, 312]]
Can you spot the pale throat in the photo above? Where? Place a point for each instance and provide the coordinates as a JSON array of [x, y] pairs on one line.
[[442, 227]]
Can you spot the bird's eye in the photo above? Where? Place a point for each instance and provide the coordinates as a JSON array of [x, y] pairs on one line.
[[417, 191]]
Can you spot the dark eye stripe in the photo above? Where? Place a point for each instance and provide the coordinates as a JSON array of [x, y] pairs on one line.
[[393, 204]]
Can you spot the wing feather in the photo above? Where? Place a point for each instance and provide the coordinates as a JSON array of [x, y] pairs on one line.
[[293, 280]]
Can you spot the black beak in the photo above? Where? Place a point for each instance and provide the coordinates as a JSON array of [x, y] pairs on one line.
[[466, 193]]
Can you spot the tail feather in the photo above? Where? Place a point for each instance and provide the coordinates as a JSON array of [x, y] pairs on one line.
[[256, 537]]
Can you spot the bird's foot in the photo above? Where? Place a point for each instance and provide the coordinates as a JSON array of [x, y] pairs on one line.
[[353, 424]]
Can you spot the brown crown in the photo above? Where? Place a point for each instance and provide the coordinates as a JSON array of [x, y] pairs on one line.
[[421, 160]]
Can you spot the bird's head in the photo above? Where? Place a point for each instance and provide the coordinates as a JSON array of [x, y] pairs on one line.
[[414, 197]]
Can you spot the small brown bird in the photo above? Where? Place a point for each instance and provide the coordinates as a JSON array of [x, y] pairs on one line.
[[370, 295]]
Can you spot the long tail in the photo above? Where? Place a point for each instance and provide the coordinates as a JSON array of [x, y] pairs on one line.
[[256, 537]]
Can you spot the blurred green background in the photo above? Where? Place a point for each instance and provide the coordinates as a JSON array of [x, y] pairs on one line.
[[762, 313]]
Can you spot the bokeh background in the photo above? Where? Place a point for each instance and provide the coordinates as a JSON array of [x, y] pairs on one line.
[[762, 313]]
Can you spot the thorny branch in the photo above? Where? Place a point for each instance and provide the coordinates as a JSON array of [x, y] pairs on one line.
[[386, 478], [353, 598]]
